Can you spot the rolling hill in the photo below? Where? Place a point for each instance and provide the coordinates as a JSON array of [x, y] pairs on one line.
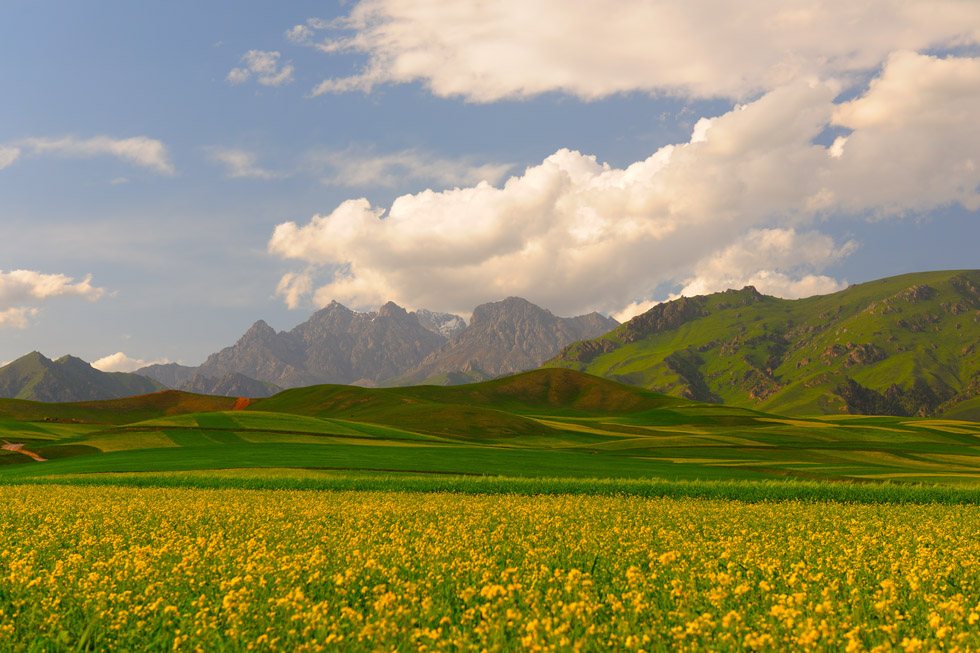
[[545, 423], [906, 345]]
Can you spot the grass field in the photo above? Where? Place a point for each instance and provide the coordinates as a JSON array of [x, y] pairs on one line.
[[548, 423], [106, 568]]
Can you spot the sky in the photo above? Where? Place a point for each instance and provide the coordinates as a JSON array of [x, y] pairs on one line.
[[171, 172]]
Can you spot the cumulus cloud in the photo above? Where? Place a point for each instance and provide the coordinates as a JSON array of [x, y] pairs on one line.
[[360, 167], [728, 207], [20, 288], [120, 362], [264, 66], [789, 255], [486, 51], [139, 150], [916, 140], [240, 163]]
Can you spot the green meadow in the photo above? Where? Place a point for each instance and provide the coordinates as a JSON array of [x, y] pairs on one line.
[[546, 424]]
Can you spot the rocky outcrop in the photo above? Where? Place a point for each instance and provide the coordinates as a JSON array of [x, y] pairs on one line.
[[445, 324]]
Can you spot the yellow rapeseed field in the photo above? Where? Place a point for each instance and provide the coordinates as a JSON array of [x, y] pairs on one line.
[[102, 568]]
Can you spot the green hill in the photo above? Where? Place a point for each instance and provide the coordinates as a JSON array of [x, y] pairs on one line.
[[544, 423], [37, 378], [906, 345], [114, 411], [493, 408]]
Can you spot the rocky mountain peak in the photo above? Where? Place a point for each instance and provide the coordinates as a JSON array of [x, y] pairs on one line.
[[505, 308], [259, 330], [391, 309], [332, 311]]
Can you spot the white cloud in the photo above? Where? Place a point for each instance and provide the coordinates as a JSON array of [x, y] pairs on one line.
[[576, 235], [788, 256], [633, 309], [8, 155], [22, 285], [139, 150], [265, 67], [299, 34], [16, 318], [238, 76], [120, 362], [116, 181], [20, 288], [916, 143], [362, 168], [294, 287], [486, 51], [240, 163]]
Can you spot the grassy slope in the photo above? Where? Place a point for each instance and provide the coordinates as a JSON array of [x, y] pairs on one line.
[[546, 423], [788, 356], [114, 411]]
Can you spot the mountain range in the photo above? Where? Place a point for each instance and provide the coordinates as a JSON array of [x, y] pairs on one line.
[[392, 346], [906, 345]]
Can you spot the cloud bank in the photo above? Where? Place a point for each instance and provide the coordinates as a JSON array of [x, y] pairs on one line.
[[21, 288], [487, 51], [734, 205]]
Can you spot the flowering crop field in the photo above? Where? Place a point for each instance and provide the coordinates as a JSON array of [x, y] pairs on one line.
[[116, 568]]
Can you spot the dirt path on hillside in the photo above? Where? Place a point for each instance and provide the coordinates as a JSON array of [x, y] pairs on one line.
[[242, 403], [19, 448]]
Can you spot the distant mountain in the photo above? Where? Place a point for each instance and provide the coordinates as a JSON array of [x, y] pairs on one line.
[[390, 346], [171, 375], [505, 337], [906, 345], [336, 345], [38, 378], [230, 385]]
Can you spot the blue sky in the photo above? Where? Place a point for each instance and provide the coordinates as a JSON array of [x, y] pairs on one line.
[[172, 172]]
